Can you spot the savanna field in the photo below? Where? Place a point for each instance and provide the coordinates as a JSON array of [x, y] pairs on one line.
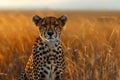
[[91, 43]]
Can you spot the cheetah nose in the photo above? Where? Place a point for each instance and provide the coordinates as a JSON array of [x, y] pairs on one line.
[[50, 33]]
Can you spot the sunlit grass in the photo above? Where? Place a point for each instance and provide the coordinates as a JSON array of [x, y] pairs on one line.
[[91, 44]]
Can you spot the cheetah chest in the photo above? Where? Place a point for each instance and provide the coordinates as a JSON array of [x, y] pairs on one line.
[[48, 57]]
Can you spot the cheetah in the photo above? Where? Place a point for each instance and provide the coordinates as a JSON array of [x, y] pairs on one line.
[[47, 59]]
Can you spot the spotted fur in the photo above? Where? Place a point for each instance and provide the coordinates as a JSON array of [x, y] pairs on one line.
[[47, 59]]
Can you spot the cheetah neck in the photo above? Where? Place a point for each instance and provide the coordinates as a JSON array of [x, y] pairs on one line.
[[50, 43]]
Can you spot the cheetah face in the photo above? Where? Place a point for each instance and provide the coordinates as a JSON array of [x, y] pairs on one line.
[[50, 27]]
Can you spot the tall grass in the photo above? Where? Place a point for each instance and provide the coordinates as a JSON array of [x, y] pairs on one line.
[[91, 44]]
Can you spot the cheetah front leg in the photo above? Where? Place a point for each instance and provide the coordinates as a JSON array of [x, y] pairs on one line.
[[38, 70], [59, 75]]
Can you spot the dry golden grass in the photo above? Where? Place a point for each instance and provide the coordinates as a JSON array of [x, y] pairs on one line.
[[91, 44]]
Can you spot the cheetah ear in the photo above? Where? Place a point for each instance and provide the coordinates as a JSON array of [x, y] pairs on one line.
[[36, 19], [63, 19]]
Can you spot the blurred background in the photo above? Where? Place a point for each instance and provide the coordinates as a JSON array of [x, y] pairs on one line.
[[91, 37], [95, 5]]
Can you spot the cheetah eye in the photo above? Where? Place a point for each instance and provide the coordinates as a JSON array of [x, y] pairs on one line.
[[56, 25], [44, 25]]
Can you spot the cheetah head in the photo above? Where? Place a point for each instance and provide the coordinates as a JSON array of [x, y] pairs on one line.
[[50, 27]]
